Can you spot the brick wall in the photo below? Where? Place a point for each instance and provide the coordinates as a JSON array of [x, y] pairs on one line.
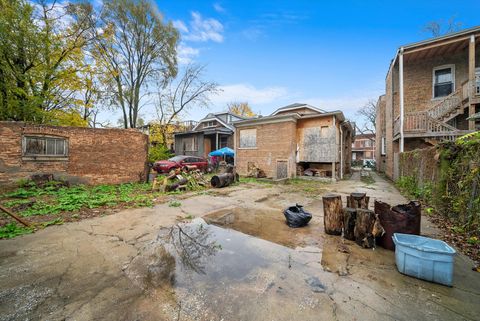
[[275, 141], [95, 156]]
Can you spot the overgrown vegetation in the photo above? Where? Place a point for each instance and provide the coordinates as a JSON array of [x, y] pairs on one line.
[[456, 193], [158, 152]]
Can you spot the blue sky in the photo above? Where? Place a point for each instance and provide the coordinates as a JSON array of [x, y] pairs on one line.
[[332, 54]]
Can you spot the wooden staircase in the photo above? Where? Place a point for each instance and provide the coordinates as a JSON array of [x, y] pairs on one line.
[[431, 124]]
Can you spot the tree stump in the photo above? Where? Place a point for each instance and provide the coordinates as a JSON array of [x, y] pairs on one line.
[[349, 220], [364, 228], [333, 215], [358, 200]]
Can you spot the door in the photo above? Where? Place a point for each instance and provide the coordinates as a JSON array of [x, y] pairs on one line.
[[207, 146], [282, 169]]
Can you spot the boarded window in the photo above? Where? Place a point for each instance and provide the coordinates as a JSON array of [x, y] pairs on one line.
[[248, 138], [324, 131], [44, 146]]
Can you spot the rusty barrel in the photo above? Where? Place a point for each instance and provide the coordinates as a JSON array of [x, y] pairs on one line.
[[403, 218]]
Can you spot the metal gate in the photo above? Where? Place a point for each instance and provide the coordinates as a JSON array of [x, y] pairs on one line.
[[282, 169]]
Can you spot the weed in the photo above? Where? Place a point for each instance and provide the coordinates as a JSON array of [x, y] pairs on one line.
[[11, 230], [174, 204], [457, 229], [473, 240], [57, 221]]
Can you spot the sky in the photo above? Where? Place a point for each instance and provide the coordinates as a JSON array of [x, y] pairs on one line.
[[333, 55]]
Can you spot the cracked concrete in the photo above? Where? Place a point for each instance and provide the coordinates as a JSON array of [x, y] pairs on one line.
[[120, 267]]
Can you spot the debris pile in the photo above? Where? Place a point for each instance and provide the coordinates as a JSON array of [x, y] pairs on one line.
[[180, 179], [254, 171]]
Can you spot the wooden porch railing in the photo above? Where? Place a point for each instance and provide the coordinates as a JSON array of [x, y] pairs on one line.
[[421, 122]]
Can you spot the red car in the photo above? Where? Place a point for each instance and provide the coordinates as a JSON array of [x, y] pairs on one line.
[[166, 166]]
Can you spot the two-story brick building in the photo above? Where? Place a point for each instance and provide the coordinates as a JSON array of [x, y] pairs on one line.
[[432, 87], [363, 147]]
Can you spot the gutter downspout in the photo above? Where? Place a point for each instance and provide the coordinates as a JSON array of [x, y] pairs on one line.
[[401, 98], [341, 151]]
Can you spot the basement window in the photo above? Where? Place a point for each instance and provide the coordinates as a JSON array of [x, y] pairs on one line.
[[443, 81], [44, 146]]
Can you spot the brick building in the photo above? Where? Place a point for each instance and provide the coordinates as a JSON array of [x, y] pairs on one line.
[[293, 139], [213, 132], [363, 147], [432, 88], [76, 154]]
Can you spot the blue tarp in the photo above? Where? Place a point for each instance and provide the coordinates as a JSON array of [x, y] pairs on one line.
[[225, 151]]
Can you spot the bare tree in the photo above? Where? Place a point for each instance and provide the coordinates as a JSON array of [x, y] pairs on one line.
[[136, 48], [439, 27], [242, 109], [368, 113], [181, 94]]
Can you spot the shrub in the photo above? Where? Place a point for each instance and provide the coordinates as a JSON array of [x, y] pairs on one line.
[[158, 152]]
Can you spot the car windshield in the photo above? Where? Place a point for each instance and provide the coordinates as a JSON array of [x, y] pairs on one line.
[[176, 158]]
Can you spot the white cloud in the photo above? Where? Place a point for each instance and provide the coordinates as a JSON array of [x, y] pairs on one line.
[[186, 54], [180, 25], [218, 8], [204, 29], [249, 93]]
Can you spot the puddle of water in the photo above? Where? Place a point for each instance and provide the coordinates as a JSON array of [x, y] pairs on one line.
[[268, 225], [205, 272]]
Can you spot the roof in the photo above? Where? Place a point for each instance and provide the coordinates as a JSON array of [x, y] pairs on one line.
[[464, 32], [447, 38], [288, 117], [297, 106]]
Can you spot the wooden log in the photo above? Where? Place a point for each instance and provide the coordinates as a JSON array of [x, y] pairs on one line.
[[222, 180], [349, 220], [17, 218], [364, 228], [174, 186], [358, 200], [333, 214]]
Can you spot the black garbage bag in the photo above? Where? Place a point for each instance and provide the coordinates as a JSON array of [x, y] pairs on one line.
[[296, 216]]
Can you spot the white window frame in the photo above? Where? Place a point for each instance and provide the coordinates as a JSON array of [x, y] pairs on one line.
[[452, 68], [383, 146], [45, 137], [209, 124], [240, 138]]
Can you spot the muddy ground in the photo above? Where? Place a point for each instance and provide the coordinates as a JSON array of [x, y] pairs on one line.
[[235, 260]]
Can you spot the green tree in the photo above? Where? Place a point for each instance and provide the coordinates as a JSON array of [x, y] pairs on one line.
[[136, 47], [41, 54]]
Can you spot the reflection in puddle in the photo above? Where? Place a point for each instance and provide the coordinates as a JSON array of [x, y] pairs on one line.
[[222, 274]]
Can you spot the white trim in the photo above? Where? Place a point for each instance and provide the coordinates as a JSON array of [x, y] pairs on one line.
[[452, 68], [282, 109], [211, 119], [259, 121]]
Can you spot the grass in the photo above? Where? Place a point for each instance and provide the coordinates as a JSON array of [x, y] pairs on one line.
[[51, 200], [11, 230]]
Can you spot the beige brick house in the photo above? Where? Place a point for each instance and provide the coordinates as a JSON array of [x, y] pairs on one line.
[[432, 87], [292, 139]]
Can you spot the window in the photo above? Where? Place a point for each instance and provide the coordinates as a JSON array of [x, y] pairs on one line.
[[384, 146], [443, 81], [248, 138], [367, 143], [44, 146], [209, 124]]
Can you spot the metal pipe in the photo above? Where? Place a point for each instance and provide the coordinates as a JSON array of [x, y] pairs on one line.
[[401, 98], [341, 151]]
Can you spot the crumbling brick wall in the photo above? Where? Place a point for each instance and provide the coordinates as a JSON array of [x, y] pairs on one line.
[[95, 156]]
